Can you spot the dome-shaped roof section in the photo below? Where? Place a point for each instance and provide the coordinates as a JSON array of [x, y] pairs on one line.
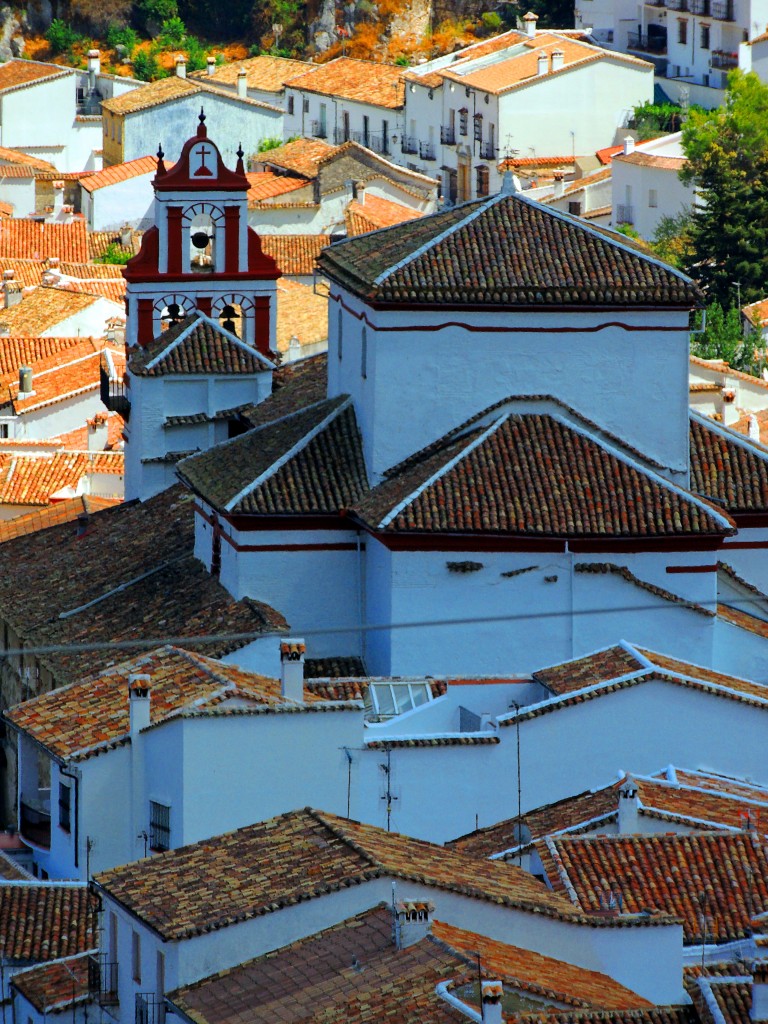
[[200, 167]]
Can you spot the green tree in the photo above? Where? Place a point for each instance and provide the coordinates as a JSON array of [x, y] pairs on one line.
[[727, 160], [61, 36], [173, 32], [672, 239], [724, 337], [114, 254], [145, 66]]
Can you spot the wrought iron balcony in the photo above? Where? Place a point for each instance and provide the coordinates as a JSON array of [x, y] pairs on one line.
[[150, 1008], [318, 129], [625, 215], [35, 821], [648, 43], [721, 59], [113, 394], [342, 135], [409, 144], [448, 135], [427, 150], [722, 10], [102, 979], [378, 142], [487, 151]]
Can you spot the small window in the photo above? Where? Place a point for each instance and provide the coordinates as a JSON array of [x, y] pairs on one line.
[[290, 104], [136, 957], [159, 825], [65, 807], [483, 180], [653, 197], [682, 31], [463, 121], [364, 355], [478, 119], [574, 208], [4, 430], [339, 331], [385, 700], [704, 37], [306, 106]]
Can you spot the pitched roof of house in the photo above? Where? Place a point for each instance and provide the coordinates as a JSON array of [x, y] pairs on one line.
[[362, 80], [20, 350], [121, 172], [532, 256], [44, 921], [167, 90], [17, 73], [387, 982], [17, 156], [44, 309], [90, 716], [109, 288], [36, 479], [307, 462], [267, 864], [295, 386], [728, 468], [72, 371], [726, 999], [301, 156], [295, 255], [66, 511], [98, 242], [375, 212], [267, 185], [535, 475], [196, 345], [267, 73], [667, 873], [301, 313], [21, 238], [52, 988], [133, 567], [641, 159]]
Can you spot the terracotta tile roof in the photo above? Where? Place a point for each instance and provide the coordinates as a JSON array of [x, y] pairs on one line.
[[78, 439], [374, 213], [696, 388], [514, 162], [300, 156], [40, 922], [732, 995], [108, 288], [668, 873], [66, 589], [720, 366], [362, 80], [604, 174], [538, 975], [662, 163], [305, 854], [91, 715], [44, 309], [27, 273], [17, 351], [31, 239], [36, 479], [167, 90], [503, 478], [53, 515], [54, 987], [555, 260], [17, 156], [11, 871], [608, 153], [301, 313], [90, 272], [76, 373], [121, 172], [308, 462], [196, 345], [611, 568], [295, 255], [728, 468], [269, 74], [295, 386], [16, 73], [757, 309], [267, 184], [334, 667]]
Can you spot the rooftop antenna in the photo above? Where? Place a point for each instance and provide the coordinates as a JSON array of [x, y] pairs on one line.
[[387, 769]]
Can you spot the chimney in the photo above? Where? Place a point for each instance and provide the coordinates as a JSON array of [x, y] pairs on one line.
[[542, 64], [292, 668], [413, 921], [629, 145], [138, 702], [54, 263], [242, 83], [126, 235], [82, 523], [94, 68], [629, 807], [529, 20], [491, 993], [559, 177], [754, 428], [730, 410], [759, 1008], [25, 380], [98, 432], [210, 65], [558, 59], [49, 279], [181, 65], [58, 199]]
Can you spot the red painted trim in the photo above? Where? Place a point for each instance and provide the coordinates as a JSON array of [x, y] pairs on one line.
[[691, 568], [156, 278], [746, 544], [175, 213], [204, 304], [145, 329], [750, 520], [348, 546], [261, 316], [257, 524], [231, 239]]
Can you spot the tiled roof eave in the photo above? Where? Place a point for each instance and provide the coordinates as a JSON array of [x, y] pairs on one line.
[[534, 535]]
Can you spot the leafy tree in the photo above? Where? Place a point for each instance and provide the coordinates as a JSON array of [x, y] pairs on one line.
[[672, 239], [723, 337], [61, 36], [122, 35], [146, 67], [727, 160], [114, 254], [267, 144], [197, 55], [491, 22], [173, 32]]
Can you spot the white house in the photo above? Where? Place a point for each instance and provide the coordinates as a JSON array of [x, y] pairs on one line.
[[646, 184], [119, 195], [259, 78]]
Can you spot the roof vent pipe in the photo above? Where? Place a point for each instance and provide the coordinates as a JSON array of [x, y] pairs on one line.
[[25, 380], [292, 653]]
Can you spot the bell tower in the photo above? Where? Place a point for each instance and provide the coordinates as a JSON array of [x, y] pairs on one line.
[[200, 255]]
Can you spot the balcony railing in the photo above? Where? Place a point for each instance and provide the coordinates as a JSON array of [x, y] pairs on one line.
[[342, 135], [448, 135], [378, 142], [113, 394], [102, 979], [409, 144], [701, 7], [318, 129], [35, 822], [721, 59], [648, 43], [487, 151], [427, 150], [149, 1009], [625, 215], [722, 10]]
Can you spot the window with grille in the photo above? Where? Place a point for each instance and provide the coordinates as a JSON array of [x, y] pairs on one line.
[[65, 807], [463, 120], [290, 104], [483, 179], [682, 31], [478, 119], [159, 826]]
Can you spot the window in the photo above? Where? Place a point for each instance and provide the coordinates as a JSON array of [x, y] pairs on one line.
[[290, 104], [306, 106], [682, 31], [65, 807], [575, 208], [653, 197], [483, 180], [339, 330], [364, 355], [159, 826], [704, 40], [384, 700], [463, 120], [136, 957], [4, 430], [478, 119]]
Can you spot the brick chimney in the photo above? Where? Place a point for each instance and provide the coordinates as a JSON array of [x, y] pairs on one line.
[[413, 921], [138, 702], [490, 994], [292, 668]]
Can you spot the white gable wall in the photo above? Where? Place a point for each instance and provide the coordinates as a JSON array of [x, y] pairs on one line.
[[127, 202]]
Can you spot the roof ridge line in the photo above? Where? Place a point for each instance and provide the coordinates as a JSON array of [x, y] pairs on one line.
[[666, 595], [286, 457], [232, 338], [341, 835], [445, 468], [733, 436]]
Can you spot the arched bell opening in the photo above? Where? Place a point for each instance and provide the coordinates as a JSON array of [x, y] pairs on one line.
[[202, 244]]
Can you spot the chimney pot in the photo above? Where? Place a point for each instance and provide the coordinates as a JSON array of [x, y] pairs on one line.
[[181, 66], [414, 921], [138, 702], [558, 59], [529, 20], [292, 653], [629, 145], [210, 65], [242, 83], [491, 993], [542, 64]]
